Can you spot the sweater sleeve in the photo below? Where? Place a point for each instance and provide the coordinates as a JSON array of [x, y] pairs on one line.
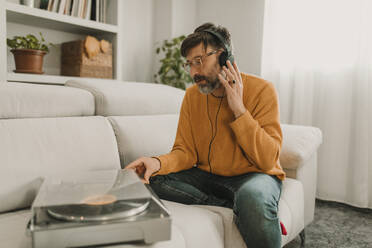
[[259, 133], [183, 154]]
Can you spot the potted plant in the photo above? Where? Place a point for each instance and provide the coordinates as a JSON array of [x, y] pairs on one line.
[[172, 71], [28, 53]]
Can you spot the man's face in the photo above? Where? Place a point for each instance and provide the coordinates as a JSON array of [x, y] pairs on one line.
[[205, 75]]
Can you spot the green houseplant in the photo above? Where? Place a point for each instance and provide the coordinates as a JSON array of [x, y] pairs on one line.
[[28, 52], [171, 71]]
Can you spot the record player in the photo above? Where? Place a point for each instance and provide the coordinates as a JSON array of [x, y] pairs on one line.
[[97, 208]]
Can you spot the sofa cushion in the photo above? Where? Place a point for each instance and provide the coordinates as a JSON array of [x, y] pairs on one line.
[[33, 148], [233, 238], [291, 214], [299, 144], [146, 135], [200, 227], [151, 135], [13, 229], [23, 100], [131, 98], [191, 227]]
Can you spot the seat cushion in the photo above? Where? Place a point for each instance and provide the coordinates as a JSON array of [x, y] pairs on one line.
[[31, 149], [23, 100], [233, 238], [131, 98], [299, 144], [13, 229], [200, 227], [191, 227], [291, 214]]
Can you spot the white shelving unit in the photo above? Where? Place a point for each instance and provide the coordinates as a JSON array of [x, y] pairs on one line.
[[16, 19]]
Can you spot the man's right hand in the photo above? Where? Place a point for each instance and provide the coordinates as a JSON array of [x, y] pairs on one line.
[[144, 167]]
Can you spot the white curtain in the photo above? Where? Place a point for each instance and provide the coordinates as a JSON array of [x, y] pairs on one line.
[[318, 54]]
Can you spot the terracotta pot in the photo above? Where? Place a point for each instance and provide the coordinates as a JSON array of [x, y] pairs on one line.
[[28, 60]]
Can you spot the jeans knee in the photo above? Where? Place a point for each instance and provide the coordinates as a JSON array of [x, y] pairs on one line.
[[255, 203], [257, 218]]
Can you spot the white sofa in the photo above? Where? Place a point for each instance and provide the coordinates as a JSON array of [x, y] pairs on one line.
[[101, 124]]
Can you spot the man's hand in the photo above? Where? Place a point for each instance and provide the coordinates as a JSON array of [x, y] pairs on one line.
[[234, 91], [144, 167]]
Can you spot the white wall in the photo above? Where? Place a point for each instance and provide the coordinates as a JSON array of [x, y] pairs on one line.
[[183, 17], [244, 20], [172, 18], [148, 22], [138, 40]]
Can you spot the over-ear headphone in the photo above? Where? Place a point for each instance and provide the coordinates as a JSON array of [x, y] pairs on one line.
[[226, 54]]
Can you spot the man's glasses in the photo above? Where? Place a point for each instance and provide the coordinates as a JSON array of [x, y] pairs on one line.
[[198, 61]]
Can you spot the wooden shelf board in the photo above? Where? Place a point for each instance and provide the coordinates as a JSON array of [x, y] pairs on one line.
[[42, 18], [43, 79]]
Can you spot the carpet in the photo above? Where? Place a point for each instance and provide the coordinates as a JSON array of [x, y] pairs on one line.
[[337, 225]]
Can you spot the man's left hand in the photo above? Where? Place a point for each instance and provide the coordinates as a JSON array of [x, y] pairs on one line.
[[234, 88]]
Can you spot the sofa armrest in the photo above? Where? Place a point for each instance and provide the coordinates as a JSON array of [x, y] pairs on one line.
[[299, 144], [299, 160]]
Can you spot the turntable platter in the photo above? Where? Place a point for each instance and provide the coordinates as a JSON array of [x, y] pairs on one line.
[[99, 209]]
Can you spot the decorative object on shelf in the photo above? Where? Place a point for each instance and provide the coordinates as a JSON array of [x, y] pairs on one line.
[[87, 58], [172, 71], [28, 53], [29, 3]]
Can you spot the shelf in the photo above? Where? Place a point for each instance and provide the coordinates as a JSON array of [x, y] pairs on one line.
[[42, 18], [43, 79]]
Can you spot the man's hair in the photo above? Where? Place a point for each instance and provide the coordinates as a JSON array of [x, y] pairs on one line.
[[200, 36]]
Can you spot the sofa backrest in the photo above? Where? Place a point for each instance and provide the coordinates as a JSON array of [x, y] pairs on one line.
[[31, 149], [152, 135], [119, 98], [45, 130], [23, 100], [144, 135]]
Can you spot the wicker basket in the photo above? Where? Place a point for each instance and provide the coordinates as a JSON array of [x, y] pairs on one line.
[[75, 62]]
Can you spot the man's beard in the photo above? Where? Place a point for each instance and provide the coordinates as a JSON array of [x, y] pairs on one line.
[[210, 84]]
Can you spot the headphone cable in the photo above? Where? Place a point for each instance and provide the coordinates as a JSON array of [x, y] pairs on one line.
[[214, 134]]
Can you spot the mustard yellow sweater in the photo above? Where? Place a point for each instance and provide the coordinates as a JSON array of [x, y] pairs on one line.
[[250, 143]]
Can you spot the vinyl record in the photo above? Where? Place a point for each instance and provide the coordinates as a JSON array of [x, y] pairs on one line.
[[99, 208]]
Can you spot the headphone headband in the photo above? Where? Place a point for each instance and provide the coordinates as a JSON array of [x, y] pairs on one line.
[[225, 55], [221, 39]]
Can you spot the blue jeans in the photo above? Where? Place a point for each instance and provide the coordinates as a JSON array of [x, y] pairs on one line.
[[254, 198]]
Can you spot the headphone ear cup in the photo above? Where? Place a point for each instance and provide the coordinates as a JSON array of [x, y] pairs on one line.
[[231, 58], [223, 58]]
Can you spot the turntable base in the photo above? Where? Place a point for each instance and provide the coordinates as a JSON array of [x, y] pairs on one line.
[[150, 226], [97, 208]]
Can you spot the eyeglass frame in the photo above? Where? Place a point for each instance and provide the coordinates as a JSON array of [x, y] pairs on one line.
[[198, 61]]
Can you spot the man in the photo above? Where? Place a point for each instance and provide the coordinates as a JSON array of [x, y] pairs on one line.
[[228, 141]]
